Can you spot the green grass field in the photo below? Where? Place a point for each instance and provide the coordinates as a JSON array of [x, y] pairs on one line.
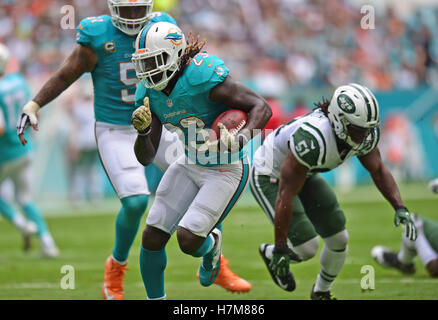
[[86, 238]]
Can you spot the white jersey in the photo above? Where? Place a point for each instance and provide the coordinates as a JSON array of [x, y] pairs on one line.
[[312, 141]]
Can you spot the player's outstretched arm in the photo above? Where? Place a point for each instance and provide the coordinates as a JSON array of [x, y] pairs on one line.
[[387, 186], [238, 96], [83, 59], [292, 178]]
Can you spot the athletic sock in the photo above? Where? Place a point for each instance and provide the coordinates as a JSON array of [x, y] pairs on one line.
[[407, 251], [424, 250], [152, 266], [331, 264], [127, 224], [205, 247], [34, 214], [47, 240], [7, 211]]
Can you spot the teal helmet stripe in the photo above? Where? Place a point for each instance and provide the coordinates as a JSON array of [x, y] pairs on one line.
[[142, 38], [365, 98]]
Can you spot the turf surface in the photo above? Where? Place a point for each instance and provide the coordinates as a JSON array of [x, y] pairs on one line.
[[86, 238]]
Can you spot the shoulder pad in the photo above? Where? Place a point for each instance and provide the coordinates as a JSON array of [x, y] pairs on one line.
[[91, 28], [206, 70], [159, 16]]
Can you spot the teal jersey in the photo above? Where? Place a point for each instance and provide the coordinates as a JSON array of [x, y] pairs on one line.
[[189, 109], [14, 93], [114, 78]]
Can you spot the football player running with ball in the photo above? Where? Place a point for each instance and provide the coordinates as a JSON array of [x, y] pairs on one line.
[[300, 203], [186, 90], [15, 161], [105, 46]]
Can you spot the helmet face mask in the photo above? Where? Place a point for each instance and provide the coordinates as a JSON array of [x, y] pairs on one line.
[[130, 16], [157, 59], [353, 112]]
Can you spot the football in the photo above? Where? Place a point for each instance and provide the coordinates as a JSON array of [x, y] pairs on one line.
[[234, 120]]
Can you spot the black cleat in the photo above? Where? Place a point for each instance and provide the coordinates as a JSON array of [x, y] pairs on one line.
[[320, 295], [387, 258], [286, 283]]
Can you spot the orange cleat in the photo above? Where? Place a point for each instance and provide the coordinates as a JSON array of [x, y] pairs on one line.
[[112, 288], [229, 280]]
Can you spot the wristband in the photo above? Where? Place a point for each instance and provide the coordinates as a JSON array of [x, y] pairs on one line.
[[144, 133]]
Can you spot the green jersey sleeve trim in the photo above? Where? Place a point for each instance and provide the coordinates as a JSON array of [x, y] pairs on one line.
[[324, 148]]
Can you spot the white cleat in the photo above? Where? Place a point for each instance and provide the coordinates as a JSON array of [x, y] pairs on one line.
[[50, 252]]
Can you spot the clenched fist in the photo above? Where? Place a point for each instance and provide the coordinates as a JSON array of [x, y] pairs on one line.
[[142, 118]]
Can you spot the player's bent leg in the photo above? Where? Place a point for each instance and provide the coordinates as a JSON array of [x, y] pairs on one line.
[[174, 195], [127, 224], [333, 256], [22, 179], [220, 189], [127, 177], [301, 233], [26, 227], [389, 259], [153, 261], [324, 212]]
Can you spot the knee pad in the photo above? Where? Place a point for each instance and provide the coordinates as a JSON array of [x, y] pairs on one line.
[[308, 249], [338, 241]]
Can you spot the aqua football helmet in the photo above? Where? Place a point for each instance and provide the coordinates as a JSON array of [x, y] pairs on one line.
[[353, 112], [4, 58], [158, 52], [130, 26]]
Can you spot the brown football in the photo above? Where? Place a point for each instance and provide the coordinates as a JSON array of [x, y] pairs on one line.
[[232, 119]]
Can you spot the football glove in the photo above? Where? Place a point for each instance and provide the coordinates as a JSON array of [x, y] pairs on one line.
[[228, 138], [142, 118], [27, 118], [403, 216], [280, 261]]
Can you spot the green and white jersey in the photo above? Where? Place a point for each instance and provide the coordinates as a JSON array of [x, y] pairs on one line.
[[312, 141]]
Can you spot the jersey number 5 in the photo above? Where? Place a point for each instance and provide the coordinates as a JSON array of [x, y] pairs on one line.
[[128, 94]]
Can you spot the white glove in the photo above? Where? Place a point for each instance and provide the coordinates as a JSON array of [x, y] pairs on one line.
[[228, 138], [28, 118], [142, 118]]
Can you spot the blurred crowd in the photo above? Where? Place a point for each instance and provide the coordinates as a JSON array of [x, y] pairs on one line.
[[271, 44]]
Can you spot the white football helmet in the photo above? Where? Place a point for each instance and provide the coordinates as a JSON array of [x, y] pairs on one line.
[[4, 58], [129, 26], [353, 112], [158, 52]]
